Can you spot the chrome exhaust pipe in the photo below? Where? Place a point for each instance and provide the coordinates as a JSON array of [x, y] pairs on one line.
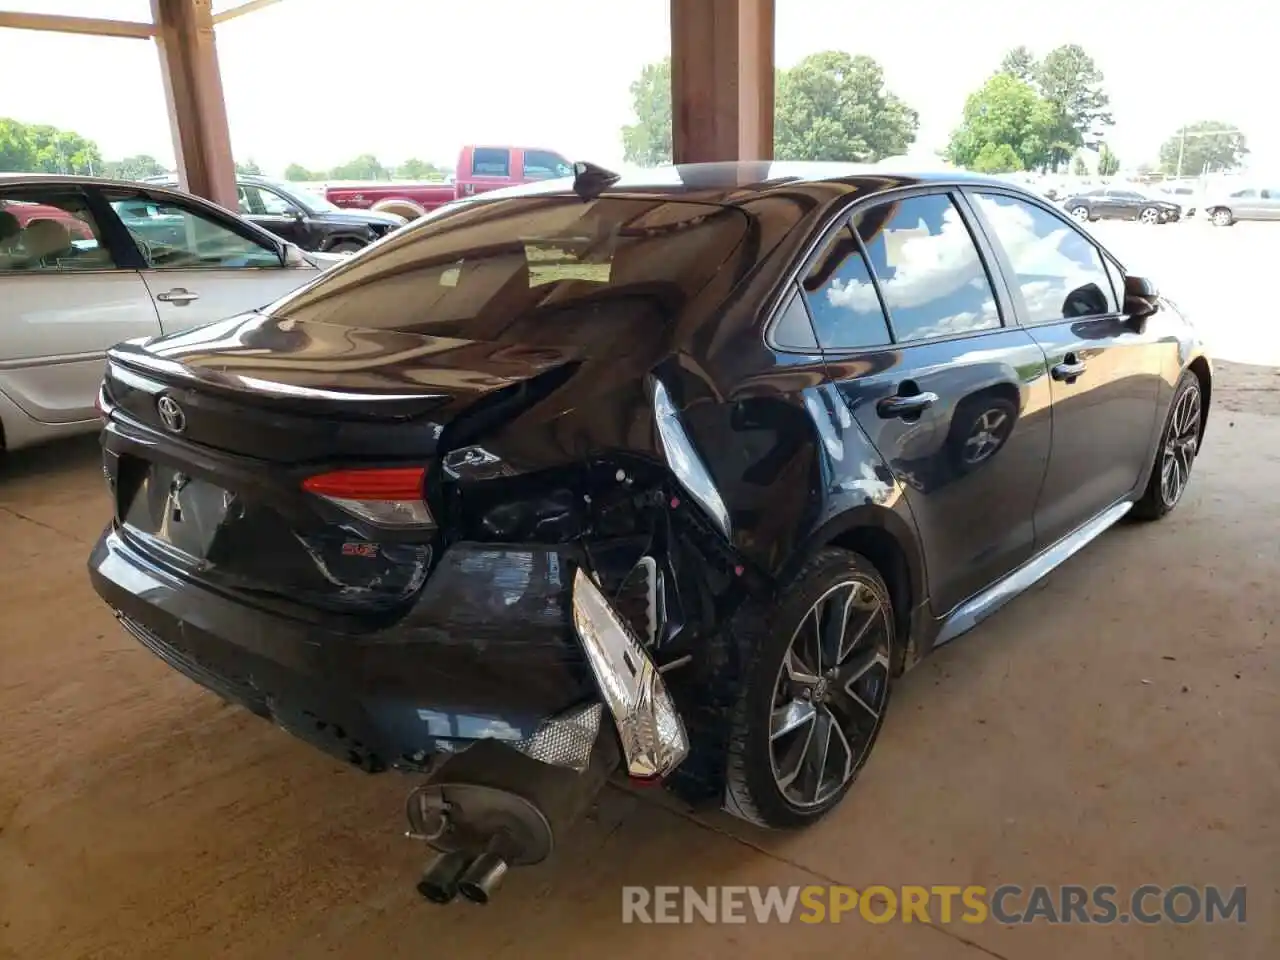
[[439, 882], [481, 879]]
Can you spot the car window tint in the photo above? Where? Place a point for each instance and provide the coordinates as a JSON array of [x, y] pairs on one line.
[[793, 331], [930, 272], [544, 165], [170, 236], [842, 297], [491, 162], [1057, 268], [50, 233]]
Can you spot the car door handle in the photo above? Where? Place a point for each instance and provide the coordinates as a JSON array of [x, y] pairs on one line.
[[905, 405], [1070, 368], [178, 295]]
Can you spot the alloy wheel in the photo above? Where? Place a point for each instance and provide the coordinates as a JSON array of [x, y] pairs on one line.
[[1149, 215], [1180, 446], [1080, 213], [830, 694], [985, 437]]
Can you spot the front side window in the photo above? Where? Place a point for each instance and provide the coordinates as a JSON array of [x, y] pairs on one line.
[[491, 162], [842, 297], [930, 272], [1244, 194], [265, 202], [1058, 269], [50, 233], [173, 237], [543, 165]]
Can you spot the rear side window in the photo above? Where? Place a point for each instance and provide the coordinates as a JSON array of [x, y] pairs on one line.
[[842, 297], [491, 162], [50, 232], [599, 276], [930, 272], [1058, 269]]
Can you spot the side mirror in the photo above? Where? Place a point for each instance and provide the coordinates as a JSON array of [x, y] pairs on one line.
[[291, 256], [1141, 298]]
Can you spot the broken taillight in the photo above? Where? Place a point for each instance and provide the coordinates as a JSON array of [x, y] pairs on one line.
[[387, 497]]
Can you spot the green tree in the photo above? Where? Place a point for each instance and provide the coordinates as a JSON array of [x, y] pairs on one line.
[[1108, 162], [137, 167], [1020, 63], [1072, 83], [1205, 146], [648, 141], [40, 148], [1004, 112], [835, 106], [1079, 167], [300, 174], [249, 168], [996, 158], [415, 169], [363, 167]]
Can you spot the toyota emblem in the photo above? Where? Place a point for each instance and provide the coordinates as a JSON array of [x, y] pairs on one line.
[[171, 414]]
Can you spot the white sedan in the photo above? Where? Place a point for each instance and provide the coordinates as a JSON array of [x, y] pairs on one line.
[[86, 263]]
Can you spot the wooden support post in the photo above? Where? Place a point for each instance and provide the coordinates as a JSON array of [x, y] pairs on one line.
[[193, 90], [722, 79]]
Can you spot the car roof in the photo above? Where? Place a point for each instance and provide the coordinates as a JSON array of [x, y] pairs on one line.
[[733, 182]]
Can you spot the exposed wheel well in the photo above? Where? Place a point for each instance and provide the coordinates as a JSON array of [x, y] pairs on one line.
[[1200, 367], [404, 208], [884, 553]]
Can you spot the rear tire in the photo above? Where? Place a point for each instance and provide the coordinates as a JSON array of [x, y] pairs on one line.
[[1176, 453], [806, 720]]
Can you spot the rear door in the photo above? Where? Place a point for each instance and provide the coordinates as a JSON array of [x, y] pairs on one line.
[[201, 266], [490, 168], [953, 399], [65, 298], [1104, 367]]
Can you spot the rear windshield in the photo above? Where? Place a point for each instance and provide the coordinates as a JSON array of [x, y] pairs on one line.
[[546, 270]]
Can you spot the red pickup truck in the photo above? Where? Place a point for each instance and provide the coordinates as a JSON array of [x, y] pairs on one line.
[[479, 169]]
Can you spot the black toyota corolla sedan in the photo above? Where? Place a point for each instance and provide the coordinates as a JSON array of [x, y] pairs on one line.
[[670, 477]]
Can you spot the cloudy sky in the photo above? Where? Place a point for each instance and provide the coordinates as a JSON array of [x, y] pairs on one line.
[[318, 81]]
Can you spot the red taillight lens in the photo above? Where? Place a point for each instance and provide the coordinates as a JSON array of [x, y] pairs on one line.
[[391, 497]]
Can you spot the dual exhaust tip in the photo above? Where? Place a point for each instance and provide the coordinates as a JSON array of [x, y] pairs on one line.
[[475, 878]]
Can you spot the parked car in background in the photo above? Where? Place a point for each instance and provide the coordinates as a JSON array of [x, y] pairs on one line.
[[306, 218], [671, 475], [479, 169], [86, 263], [1225, 207], [1184, 194], [1121, 203]]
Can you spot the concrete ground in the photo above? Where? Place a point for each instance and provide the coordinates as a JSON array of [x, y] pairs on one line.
[[1120, 724]]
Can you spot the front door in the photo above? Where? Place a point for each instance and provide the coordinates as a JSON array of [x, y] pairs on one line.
[[200, 269], [64, 301], [954, 401], [273, 212], [1104, 369]]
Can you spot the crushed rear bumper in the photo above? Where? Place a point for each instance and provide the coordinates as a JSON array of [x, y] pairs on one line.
[[500, 645]]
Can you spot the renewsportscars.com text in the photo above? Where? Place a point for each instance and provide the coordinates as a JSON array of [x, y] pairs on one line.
[[1005, 904]]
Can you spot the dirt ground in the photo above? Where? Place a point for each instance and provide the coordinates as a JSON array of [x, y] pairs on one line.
[[1120, 724]]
